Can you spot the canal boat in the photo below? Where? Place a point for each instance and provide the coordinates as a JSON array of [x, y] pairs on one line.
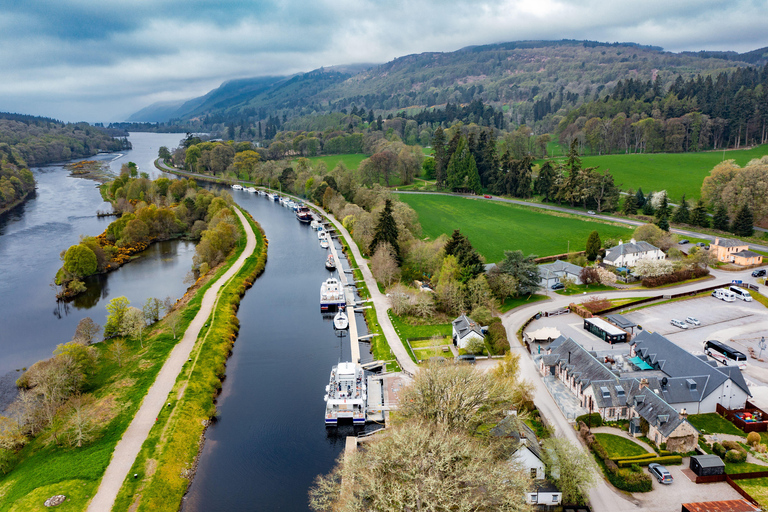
[[320, 234], [315, 224], [237, 187], [271, 196], [340, 321], [251, 190], [346, 395], [330, 264], [304, 214], [331, 294], [324, 243]]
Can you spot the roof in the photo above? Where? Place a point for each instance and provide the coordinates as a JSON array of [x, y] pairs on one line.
[[653, 409], [729, 242], [583, 365], [709, 461], [746, 254], [549, 270], [605, 326], [514, 427], [674, 361], [629, 248], [545, 333], [465, 325], [621, 321], [721, 506]]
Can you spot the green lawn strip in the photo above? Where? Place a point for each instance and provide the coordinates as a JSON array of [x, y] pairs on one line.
[[578, 289], [430, 343], [42, 464], [426, 353], [679, 283], [408, 330], [350, 160], [666, 301], [403, 338], [513, 302], [619, 447], [734, 468], [713, 423], [494, 227], [168, 454], [759, 297], [757, 488]]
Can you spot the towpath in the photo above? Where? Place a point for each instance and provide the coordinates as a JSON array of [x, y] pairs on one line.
[[128, 447]]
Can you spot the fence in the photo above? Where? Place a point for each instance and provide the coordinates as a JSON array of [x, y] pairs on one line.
[[747, 426]]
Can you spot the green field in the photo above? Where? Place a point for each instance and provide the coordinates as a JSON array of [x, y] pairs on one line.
[[677, 173], [713, 423], [618, 446], [757, 488], [351, 160], [495, 227]]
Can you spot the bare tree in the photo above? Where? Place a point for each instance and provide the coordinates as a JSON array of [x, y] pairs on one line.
[[172, 320], [86, 331], [134, 324], [80, 425], [151, 310], [117, 351], [574, 469], [168, 304], [384, 264]]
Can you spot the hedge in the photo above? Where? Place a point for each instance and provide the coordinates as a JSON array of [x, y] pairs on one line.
[[597, 420], [675, 277], [648, 455], [621, 478], [669, 459]]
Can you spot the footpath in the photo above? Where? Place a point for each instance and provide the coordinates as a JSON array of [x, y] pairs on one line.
[[128, 447]]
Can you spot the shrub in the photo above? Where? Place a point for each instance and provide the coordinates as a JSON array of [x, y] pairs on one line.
[[595, 418], [675, 277], [719, 450], [735, 456], [627, 480], [732, 445], [497, 337], [668, 460], [753, 438]]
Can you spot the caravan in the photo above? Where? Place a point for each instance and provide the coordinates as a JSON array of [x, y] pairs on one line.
[[723, 294], [740, 293]]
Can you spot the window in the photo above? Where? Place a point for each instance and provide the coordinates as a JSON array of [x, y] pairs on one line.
[[610, 412], [555, 498], [533, 472]]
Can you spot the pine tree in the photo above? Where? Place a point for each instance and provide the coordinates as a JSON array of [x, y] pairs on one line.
[[640, 198], [698, 215], [630, 204], [663, 223], [682, 213], [593, 245], [720, 220], [545, 183], [438, 144], [386, 231], [743, 223], [663, 209], [647, 208], [462, 170]]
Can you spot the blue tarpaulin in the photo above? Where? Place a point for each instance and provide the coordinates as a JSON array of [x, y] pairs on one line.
[[637, 361]]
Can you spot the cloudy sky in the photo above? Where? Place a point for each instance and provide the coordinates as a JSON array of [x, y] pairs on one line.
[[101, 60]]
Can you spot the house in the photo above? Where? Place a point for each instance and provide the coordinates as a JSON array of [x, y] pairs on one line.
[[544, 494], [627, 255], [551, 273], [528, 452], [465, 329], [730, 250]]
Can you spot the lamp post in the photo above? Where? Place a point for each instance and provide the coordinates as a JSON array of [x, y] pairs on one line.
[[762, 347]]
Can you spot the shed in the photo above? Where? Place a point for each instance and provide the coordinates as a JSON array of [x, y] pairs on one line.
[[707, 465], [720, 506], [602, 329], [622, 322]]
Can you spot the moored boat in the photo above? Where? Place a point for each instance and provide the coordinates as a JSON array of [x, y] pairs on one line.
[[324, 243], [346, 395], [340, 321], [331, 294], [237, 187], [330, 263], [251, 190], [304, 214]]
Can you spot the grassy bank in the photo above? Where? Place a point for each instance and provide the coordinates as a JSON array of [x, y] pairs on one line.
[[47, 467], [494, 227], [350, 160], [166, 460]]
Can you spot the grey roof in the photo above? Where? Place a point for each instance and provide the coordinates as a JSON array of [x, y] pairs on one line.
[[728, 242], [674, 361], [583, 365], [745, 254], [464, 325], [656, 411], [629, 248], [549, 270], [709, 461], [621, 321], [615, 399], [558, 341], [514, 427]]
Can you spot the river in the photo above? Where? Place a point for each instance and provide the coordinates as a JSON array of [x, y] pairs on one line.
[[270, 440], [33, 234]]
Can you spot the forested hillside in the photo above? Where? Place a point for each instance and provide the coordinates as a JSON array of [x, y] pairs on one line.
[[28, 141]]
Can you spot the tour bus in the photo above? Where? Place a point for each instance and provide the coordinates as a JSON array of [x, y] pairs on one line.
[[741, 293], [725, 354], [724, 294]]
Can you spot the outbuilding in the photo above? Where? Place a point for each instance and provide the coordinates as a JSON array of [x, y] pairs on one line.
[[707, 465], [604, 330]]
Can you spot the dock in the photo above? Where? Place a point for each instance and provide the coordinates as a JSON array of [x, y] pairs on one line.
[[350, 299]]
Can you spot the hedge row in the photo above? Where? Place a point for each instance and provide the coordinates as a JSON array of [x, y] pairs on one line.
[[621, 478], [497, 336], [597, 420], [669, 459], [663, 453], [675, 277]]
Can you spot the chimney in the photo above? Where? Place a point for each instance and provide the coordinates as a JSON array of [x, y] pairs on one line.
[[633, 241], [683, 414], [717, 241], [621, 241], [643, 383]]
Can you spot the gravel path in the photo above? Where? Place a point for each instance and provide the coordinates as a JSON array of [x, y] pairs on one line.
[[128, 447]]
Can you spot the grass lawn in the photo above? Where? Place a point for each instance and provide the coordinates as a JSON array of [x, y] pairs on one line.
[[425, 353], [581, 288], [618, 446], [351, 160], [757, 488], [713, 423], [407, 330], [677, 173], [732, 468], [513, 302], [431, 342], [494, 227]]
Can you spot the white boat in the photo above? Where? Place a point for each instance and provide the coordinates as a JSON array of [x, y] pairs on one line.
[[321, 234], [330, 263], [346, 395], [315, 224], [251, 190], [237, 187], [340, 321], [272, 197], [331, 294], [324, 243]]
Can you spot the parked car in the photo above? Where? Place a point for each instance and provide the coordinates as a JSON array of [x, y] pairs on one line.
[[590, 212], [557, 286], [684, 241], [693, 321], [758, 273], [487, 196], [678, 323], [466, 358], [661, 473]]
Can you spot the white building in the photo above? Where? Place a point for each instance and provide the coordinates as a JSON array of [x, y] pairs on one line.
[[627, 255], [550, 273], [465, 329]]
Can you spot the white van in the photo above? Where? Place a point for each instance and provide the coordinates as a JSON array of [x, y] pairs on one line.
[[723, 294], [741, 293]]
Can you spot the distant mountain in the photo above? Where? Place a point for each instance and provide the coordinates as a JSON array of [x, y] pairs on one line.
[[157, 112], [514, 75]]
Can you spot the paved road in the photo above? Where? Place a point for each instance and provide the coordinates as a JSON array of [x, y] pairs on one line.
[[128, 447], [555, 208]]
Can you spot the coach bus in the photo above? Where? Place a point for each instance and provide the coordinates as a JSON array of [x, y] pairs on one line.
[[725, 354]]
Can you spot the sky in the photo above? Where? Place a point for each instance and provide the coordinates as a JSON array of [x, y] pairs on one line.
[[102, 60]]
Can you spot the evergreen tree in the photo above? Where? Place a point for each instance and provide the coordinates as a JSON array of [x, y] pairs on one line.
[[698, 215], [647, 208], [630, 204], [545, 183], [640, 198], [466, 255], [743, 224], [663, 223], [663, 209], [720, 220], [386, 231], [682, 214], [438, 144], [593, 245], [462, 170]]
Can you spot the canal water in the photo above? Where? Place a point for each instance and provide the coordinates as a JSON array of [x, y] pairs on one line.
[[270, 440], [32, 236]]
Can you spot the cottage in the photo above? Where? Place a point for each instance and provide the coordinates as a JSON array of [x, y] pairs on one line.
[[627, 255], [465, 329], [544, 494], [730, 250], [528, 452], [551, 273]]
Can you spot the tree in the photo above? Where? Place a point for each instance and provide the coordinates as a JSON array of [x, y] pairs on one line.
[[663, 209], [86, 331], [589, 275], [572, 468], [647, 207], [593, 246], [630, 205], [653, 268], [422, 466], [720, 220], [461, 174], [663, 223], [640, 198], [117, 351], [502, 285], [682, 214], [699, 215], [386, 231], [80, 261], [384, 264], [163, 153], [466, 255], [524, 269], [134, 324], [80, 424], [116, 309], [546, 182], [743, 223], [172, 320], [428, 168]]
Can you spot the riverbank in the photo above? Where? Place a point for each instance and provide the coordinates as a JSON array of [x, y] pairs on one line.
[[48, 466], [16, 203]]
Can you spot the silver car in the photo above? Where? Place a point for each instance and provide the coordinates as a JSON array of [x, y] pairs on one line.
[[693, 321], [661, 473]]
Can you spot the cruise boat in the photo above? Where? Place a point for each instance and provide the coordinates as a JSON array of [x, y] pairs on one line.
[[331, 294], [321, 234], [324, 243], [304, 214], [346, 395], [251, 190], [237, 187], [340, 321], [315, 224], [330, 264]]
